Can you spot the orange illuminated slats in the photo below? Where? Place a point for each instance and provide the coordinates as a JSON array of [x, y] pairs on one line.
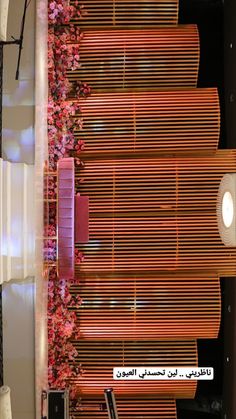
[[157, 185], [127, 409], [156, 214], [164, 121], [97, 361], [134, 59], [187, 242], [153, 307], [120, 13]]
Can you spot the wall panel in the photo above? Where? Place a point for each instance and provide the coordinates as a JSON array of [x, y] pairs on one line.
[[164, 121], [123, 13], [154, 186], [97, 361], [151, 307], [128, 409], [169, 243], [156, 214], [133, 59]]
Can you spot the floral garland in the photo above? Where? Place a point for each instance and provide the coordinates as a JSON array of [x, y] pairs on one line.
[[63, 55], [62, 329], [63, 117], [62, 306], [61, 12]]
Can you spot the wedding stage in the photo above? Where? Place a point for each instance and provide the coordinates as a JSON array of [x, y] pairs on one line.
[[128, 171]]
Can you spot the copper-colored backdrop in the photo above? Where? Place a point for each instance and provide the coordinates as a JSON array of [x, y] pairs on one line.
[[161, 121], [150, 278], [139, 59]]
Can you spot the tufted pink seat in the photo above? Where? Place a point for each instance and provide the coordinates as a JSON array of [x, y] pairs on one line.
[[73, 218], [66, 213]]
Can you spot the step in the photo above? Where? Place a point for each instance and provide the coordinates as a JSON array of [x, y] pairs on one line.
[[17, 220]]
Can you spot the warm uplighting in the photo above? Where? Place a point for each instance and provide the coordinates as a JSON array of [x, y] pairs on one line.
[[226, 209]]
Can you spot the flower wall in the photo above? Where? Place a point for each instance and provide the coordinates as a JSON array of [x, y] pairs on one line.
[[63, 117], [63, 55]]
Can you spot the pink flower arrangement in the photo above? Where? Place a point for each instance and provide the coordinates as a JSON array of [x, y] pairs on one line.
[[50, 250], [81, 89], [63, 118], [79, 257], [50, 188], [49, 230], [60, 12], [63, 55], [62, 328]]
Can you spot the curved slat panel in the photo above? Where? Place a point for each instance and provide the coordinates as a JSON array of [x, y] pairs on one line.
[[166, 224], [66, 211], [153, 307], [123, 13], [153, 185], [128, 409], [157, 244], [167, 121], [131, 59], [98, 360]]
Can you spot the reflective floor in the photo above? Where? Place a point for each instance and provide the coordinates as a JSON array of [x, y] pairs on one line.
[[41, 154], [18, 345]]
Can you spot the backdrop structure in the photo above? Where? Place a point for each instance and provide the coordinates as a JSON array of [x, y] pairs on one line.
[[124, 108]]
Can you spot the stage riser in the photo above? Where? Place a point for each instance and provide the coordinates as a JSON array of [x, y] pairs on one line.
[[16, 220]]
